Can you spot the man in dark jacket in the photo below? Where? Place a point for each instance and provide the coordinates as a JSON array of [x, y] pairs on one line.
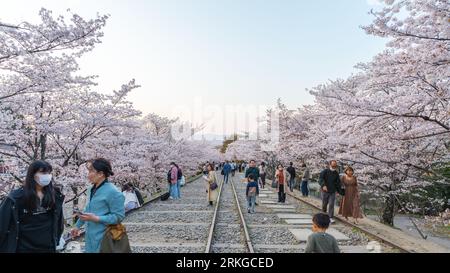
[[252, 169], [291, 171], [330, 183], [10, 221], [226, 171]]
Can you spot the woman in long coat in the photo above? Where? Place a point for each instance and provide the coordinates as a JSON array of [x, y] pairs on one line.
[[350, 205], [281, 179], [210, 179]]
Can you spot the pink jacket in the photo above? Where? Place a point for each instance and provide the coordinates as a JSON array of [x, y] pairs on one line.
[[173, 175]]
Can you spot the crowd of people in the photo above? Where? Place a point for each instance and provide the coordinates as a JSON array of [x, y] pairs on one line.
[[331, 183], [32, 221]]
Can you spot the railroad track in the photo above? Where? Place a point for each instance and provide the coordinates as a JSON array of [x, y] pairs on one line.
[[284, 228], [228, 231]]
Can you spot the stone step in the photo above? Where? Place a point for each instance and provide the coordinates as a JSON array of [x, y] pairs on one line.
[[298, 221], [354, 249], [293, 216], [302, 234], [284, 210], [268, 202], [280, 206]]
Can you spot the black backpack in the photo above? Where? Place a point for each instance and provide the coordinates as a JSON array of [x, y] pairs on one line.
[[165, 196], [169, 176]]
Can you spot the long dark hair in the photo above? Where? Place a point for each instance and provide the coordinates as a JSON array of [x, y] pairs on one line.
[[31, 197]]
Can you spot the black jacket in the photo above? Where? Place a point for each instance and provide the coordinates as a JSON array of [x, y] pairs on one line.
[[332, 180], [291, 171], [254, 171], [9, 220]]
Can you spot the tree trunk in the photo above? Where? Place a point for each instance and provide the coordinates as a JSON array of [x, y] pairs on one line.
[[388, 210], [43, 144], [75, 203]]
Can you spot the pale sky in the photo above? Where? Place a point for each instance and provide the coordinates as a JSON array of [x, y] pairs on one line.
[[195, 53]]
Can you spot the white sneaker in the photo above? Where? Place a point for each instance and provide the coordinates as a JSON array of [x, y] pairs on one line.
[[332, 221]]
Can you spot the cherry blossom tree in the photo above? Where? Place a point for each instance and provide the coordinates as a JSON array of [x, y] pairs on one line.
[[49, 112], [391, 120], [36, 59], [40, 57]]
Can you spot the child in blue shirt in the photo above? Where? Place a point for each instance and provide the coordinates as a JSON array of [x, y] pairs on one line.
[[251, 192]]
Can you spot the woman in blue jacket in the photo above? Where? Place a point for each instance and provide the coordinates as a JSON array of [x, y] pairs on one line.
[[105, 205]]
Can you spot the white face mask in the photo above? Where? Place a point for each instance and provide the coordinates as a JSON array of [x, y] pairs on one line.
[[44, 179]]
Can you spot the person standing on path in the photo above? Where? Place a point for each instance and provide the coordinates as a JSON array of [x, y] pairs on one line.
[[252, 169], [173, 177], [205, 168], [305, 180], [330, 183], [350, 203], [251, 193], [31, 217], [226, 171], [105, 205], [179, 180], [291, 171], [210, 180], [262, 174], [281, 179]]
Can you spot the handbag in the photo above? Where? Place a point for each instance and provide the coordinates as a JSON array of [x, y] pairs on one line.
[[115, 240], [213, 186], [274, 184]]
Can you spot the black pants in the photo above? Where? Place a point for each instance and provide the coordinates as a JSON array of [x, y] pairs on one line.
[[328, 200], [225, 178], [263, 180], [281, 194]]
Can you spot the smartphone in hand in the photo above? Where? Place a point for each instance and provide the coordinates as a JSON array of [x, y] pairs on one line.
[[77, 212]]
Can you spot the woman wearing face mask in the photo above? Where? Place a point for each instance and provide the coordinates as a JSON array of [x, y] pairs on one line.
[[31, 217], [281, 179], [105, 205]]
